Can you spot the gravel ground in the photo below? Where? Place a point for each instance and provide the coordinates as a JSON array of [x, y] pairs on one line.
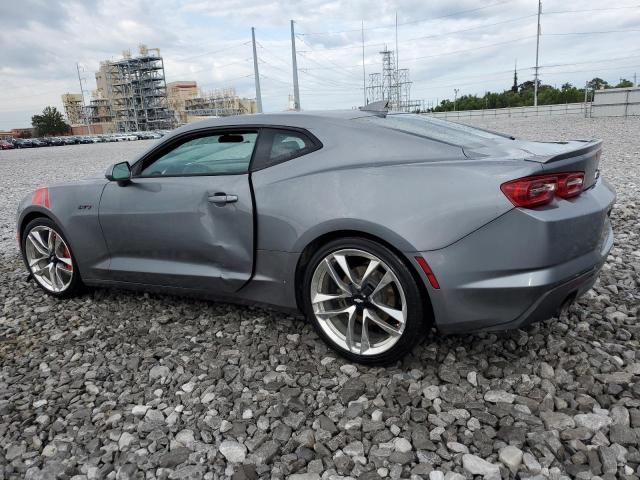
[[125, 385]]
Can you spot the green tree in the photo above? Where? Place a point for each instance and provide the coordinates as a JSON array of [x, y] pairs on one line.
[[51, 122], [598, 83], [547, 95], [624, 83]]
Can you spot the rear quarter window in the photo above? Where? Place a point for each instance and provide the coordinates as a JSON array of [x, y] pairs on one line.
[[432, 128], [281, 145]]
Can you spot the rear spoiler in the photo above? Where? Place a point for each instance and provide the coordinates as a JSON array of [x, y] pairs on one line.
[[588, 147]]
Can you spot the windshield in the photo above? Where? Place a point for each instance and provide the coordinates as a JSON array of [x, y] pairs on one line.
[[433, 128]]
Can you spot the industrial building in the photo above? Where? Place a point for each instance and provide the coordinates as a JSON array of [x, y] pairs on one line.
[[73, 108], [100, 113], [135, 90], [132, 95], [177, 94], [218, 103], [190, 104]]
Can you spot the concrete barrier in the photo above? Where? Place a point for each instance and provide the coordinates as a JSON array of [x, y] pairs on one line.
[[612, 102], [616, 102], [569, 109]]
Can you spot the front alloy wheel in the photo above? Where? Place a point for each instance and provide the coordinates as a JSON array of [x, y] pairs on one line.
[[364, 301], [49, 258]]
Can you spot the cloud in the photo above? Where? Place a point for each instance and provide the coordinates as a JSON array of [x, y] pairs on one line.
[[467, 45]]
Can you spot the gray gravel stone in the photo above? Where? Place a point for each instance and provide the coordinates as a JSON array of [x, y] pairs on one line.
[[511, 457], [623, 435], [234, 452], [478, 466], [592, 421], [496, 396], [557, 420]]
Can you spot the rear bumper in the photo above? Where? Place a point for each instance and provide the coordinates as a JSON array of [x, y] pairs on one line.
[[523, 266]]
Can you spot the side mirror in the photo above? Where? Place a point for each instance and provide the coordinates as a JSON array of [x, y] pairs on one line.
[[120, 172]]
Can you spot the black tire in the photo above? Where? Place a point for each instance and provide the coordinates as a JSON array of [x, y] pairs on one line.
[[415, 326], [76, 285]]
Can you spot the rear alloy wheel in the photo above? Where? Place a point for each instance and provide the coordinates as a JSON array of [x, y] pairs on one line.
[[49, 258], [363, 301]]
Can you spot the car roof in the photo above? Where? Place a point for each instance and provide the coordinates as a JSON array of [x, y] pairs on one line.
[[292, 119]]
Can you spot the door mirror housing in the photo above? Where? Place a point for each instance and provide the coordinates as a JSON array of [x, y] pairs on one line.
[[120, 172]]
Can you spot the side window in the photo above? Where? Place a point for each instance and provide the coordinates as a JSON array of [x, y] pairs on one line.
[[219, 154], [279, 145]]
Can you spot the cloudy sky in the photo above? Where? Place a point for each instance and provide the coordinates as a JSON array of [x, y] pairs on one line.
[[466, 44]]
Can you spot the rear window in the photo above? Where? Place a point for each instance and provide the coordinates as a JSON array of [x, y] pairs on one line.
[[432, 128]]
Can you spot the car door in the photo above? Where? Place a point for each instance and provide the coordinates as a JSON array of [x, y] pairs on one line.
[[186, 217]]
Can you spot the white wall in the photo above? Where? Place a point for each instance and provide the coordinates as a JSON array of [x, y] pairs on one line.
[[575, 109], [616, 102], [613, 102]]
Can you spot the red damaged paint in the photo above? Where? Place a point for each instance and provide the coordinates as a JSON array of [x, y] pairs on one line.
[[41, 197]]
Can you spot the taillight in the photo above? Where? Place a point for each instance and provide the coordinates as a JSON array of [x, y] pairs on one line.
[[41, 197], [539, 190], [531, 191], [570, 184]]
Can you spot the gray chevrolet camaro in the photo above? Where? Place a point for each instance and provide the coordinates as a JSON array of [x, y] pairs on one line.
[[375, 225]]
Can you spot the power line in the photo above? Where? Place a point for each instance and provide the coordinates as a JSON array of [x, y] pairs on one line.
[[436, 35], [590, 10], [335, 68], [455, 52], [484, 75], [498, 74], [230, 47], [273, 55], [470, 28], [620, 67], [212, 67], [590, 61], [325, 80], [411, 22], [219, 82], [321, 52], [592, 33]]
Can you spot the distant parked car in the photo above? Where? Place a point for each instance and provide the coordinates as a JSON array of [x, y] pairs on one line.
[[38, 142], [5, 145], [23, 143], [55, 141], [70, 140], [84, 139]]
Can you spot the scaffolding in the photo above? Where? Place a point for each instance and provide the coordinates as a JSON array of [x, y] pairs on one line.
[[392, 85], [137, 92]]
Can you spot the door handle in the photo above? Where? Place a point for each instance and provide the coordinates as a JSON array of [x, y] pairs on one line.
[[222, 198]]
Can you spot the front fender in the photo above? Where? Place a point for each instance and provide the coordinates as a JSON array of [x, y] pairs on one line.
[[74, 209]]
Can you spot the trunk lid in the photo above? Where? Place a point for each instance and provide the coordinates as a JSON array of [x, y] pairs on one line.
[[570, 156], [575, 156]]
